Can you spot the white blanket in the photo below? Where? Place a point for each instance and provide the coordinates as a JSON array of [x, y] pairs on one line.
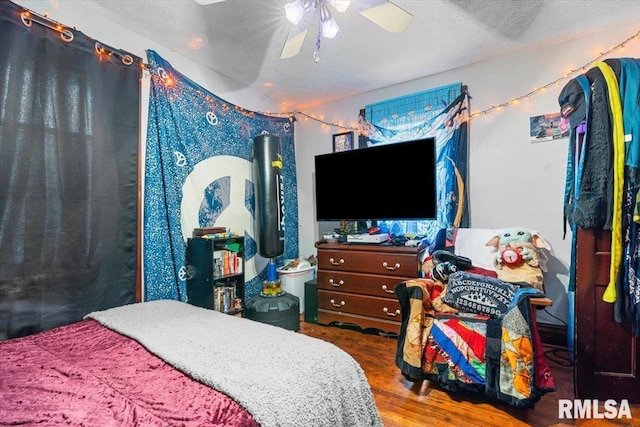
[[281, 377]]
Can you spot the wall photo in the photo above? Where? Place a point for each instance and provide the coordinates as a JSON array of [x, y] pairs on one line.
[[343, 141], [547, 127]]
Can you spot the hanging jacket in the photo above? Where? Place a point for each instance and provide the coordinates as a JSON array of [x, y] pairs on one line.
[[629, 81], [627, 285], [593, 207], [610, 293]]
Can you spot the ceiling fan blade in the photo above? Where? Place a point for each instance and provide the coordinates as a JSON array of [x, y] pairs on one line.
[[293, 45], [297, 34], [204, 2], [387, 15]]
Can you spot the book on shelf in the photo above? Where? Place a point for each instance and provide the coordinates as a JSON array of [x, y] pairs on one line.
[[224, 297], [226, 263], [202, 231], [238, 264]]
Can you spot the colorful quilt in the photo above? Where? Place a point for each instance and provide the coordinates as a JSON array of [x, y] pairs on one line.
[[500, 357]]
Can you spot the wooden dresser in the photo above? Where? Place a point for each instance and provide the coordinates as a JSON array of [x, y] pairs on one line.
[[356, 284]]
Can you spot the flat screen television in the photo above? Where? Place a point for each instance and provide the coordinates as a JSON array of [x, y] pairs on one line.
[[384, 182]]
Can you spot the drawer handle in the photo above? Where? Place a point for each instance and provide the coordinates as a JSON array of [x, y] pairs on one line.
[[333, 262], [384, 288], [385, 265], [337, 285], [386, 311], [333, 303]]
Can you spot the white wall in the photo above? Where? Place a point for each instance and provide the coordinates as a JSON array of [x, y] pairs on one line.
[[511, 181]]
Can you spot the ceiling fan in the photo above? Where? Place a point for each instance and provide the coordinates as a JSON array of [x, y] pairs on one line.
[[301, 13]]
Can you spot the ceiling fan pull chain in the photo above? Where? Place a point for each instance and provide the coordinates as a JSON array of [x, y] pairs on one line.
[[316, 53]]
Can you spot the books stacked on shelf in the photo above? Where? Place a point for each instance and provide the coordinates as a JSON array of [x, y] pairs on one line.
[[226, 262], [204, 231], [224, 297]]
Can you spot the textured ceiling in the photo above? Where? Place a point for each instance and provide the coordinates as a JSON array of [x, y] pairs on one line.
[[244, 39]]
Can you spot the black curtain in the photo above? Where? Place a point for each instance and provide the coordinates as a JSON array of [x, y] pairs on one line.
[[69, 131]]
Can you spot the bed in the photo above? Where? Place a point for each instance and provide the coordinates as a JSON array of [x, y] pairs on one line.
[[169, 363], [473, 333]]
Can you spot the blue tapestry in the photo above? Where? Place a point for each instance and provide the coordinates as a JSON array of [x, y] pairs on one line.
[[198, 173], [448, 123]]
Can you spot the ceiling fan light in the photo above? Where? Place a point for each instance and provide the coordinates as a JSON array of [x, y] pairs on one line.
[[294, 11], [340, 5], [330, 28]]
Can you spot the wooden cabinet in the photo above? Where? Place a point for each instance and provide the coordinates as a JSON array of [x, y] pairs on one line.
[[607, 354], [356, 284], [215, 273]]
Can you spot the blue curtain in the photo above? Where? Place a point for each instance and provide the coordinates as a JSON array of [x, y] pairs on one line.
[[444, 114], [199, 174]]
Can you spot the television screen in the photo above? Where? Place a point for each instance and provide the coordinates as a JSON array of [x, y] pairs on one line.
[[385, 182]]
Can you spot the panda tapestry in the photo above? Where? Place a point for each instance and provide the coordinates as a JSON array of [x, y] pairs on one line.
[[198, 173]]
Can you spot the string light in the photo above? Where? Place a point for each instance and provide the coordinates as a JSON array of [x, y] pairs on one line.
[[293, 116], [579, 70], [484, 113], [103, 51], [28, 17], [66, 34]]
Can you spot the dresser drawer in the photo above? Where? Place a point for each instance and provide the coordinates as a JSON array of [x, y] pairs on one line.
[[334, 259], [342, 302], [387, 263], [329, 317], [359, 283]]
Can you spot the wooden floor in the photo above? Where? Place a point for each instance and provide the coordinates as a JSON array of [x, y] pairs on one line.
[[405, 403]]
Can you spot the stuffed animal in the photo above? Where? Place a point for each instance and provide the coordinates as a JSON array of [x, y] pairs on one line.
[[519, 257]]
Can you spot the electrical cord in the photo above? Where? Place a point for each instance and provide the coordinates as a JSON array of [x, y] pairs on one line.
[[555, 356], [554, 353], [555, 317]]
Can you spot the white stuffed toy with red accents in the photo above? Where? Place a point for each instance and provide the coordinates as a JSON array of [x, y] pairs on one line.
[[519, 257]]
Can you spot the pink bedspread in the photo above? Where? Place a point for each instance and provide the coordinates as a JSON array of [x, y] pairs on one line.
[[86, 374]]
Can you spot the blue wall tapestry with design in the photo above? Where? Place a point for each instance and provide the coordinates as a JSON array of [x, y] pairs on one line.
[[444, 114], [199, 174]]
